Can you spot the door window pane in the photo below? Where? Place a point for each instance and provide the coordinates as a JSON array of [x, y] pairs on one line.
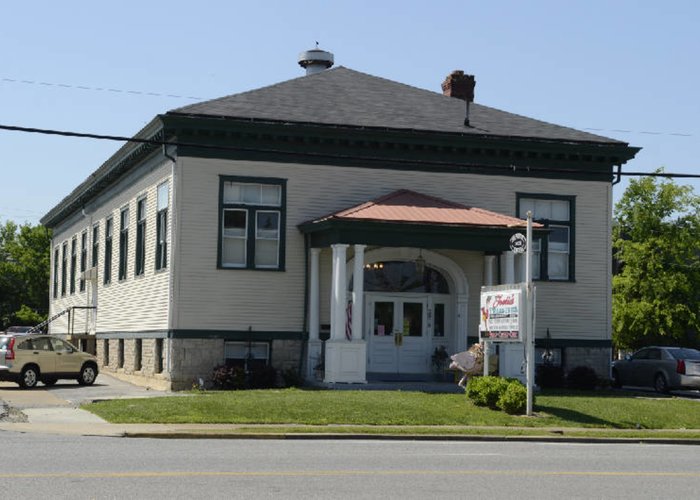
[[383, 318], [413, 319], [439, 320]]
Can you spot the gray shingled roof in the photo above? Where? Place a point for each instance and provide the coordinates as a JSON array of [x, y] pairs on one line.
[[344, 97]]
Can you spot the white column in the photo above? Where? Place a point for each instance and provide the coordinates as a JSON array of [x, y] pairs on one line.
[[314, 314], [358, 291], [489, 270], [508, 267], [338, 292], [489, 280]]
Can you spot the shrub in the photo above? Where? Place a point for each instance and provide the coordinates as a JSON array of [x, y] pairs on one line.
[[228, 377], [582, 377], [263, 377], [485, 391], [291, 378], [549, 376], [514, 399]]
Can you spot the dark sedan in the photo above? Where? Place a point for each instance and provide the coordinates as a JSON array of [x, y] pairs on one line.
[[663, 368]]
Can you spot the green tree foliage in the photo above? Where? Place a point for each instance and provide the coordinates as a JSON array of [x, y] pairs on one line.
[[24, 274], [656, 239]]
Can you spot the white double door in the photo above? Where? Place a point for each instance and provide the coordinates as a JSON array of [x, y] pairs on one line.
[[396, 328]]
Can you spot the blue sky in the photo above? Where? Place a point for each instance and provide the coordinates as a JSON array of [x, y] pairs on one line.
[[624, 69]]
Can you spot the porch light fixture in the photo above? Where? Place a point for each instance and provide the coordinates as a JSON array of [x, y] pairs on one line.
[[376, 265], [420, 262]]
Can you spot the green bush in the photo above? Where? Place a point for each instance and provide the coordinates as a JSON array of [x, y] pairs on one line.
[[549, 376], [513, 401], [582, 377], [485, 391], [498, 393], [292, 378]]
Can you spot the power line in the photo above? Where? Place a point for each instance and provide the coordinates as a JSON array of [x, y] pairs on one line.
[[159, 94], [99, 89], [154, 142]]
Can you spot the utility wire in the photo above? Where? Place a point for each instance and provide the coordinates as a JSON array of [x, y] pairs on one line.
[[154, 142], [157, 94], [99, 89]]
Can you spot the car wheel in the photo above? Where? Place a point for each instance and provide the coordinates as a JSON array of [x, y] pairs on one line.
[[660, 383], [616, 382], [88, 374], [48, 382], [29, 377]]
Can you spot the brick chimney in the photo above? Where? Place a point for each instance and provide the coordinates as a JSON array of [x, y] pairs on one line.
[[461, 86]]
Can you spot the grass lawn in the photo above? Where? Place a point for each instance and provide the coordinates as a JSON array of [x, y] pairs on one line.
[[598, 409]]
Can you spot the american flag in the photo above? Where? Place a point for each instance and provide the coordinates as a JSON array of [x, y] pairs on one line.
[[348, 321]]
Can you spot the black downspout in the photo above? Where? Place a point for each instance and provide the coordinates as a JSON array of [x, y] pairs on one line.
[[305, 325], [617, 175]]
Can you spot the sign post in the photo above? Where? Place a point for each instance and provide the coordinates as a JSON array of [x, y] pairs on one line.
[[530, 322]]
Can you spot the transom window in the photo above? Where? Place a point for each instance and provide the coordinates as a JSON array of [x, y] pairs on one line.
[[252, 223], [552, 259]]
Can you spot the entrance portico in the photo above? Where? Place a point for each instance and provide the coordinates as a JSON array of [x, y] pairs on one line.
[[389, 328]]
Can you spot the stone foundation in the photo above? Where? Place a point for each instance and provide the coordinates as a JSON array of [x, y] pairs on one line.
[[192, 360], [597, 358]]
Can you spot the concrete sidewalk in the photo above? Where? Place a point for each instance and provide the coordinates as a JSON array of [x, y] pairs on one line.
[[55, 410]]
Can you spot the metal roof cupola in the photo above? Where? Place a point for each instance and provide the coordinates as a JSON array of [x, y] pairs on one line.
[[315, 60]]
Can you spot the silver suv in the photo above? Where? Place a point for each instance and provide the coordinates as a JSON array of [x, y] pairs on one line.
[[29, 359]]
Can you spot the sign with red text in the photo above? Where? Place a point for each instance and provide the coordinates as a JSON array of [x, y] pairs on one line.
[[502, 313]]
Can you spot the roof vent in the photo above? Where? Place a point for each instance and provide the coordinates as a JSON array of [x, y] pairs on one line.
[[461, 86], [315, 60]]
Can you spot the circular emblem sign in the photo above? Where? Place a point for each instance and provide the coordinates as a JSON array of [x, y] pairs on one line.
[[518, 243]]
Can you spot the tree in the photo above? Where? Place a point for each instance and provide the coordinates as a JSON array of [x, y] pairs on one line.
[[24, 273], [656, 239]]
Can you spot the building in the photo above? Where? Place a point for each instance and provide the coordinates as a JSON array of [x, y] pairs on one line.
[[336, 220]]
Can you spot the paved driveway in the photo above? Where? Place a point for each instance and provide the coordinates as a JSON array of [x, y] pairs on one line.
[[68, 393]]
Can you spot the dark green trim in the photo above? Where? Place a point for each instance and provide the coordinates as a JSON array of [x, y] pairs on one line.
[[544, 249], [394, 148], [251, 211], [236, 335], [148, 334], [257, 336], [562, 343], [388, 234]]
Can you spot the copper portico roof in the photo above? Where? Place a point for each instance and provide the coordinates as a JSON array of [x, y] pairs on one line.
[[405, 206]]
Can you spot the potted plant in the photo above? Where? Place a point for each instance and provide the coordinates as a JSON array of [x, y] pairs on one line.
[[439, 362]]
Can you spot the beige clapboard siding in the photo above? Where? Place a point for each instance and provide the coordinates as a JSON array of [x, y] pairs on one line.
[[135, 304], [237, 300]]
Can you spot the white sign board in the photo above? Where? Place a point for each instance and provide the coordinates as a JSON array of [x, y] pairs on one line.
[[502, 313]]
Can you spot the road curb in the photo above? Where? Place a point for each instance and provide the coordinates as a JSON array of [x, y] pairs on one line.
[[405, 437]]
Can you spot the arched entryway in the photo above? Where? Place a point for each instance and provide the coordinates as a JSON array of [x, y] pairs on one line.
[[414, 302]]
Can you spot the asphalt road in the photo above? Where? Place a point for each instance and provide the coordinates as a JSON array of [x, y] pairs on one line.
[[43, 466]]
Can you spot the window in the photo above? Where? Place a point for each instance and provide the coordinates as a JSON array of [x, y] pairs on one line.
[[73, 263], [55, 273], [162, 226], [83, 259], [109, 228], [123, 241], [64, 268], [95, 244], [252, 223], [138, 350], [158, 356], [140, 263], [552, 255]]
